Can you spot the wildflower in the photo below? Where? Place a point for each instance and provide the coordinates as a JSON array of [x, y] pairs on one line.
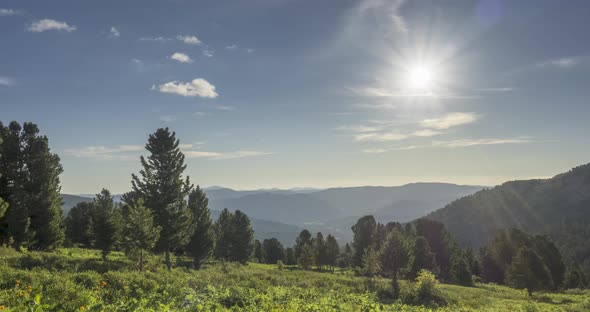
[[2, 308], [103, 283], [82, 308], [30, 288]]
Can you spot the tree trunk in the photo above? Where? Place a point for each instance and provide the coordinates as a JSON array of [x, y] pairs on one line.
[[141, 260], [395, 284], [196, 264], [168, 264]]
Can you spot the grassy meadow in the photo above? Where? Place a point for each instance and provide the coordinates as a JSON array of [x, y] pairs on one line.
[[78, 280]]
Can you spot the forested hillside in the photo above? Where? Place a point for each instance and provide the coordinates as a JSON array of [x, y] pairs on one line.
[[559, 207]]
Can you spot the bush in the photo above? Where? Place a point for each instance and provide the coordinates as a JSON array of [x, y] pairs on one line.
[[427, 291]]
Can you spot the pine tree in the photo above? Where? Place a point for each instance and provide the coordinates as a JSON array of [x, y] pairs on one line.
[[527, 271], [258, 252], [201, 242], [460, 270], [575, 278], [273, 251], [223, 235], [164, 190], [371, 264], [345, 257], [306, 257], [332, 252], [319, 245], [394, 256], [139, 232], [440, 243], [422, 257], [303, 238], [290, 256], [79, 228], [364, 236], [106, 228], [551, 256], [242, 240]]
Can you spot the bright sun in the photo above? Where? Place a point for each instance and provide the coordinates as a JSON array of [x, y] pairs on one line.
[[421, 77]]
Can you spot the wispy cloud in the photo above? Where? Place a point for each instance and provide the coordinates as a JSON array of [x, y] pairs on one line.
[[231, 47], [449, 120], [380, 137], [471, 142], [188, 39], [223, 107], [167, 118], [6, 81], [564, 62], [49, 24], [501, 89], [200, 114], [386, 12], [225, 155], [104, 152], [208, 53], [375, 92], [196, 88], [426, 133], [181, 57], [114, 32], [10, 12], [357, 128], [158, 39]]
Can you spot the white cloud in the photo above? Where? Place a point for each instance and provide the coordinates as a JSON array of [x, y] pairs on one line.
[[232, 47], [189, 39], [49, 24], [380, 137], [358, 128], [6, 82], [200, 114], [223, 107], [167, 118], [198, 87], [225, 155], [103, 152], [250, 50], [155, 39], [375, 92], [448, 121], [208, 53], [114, 32], [9, 12], [385, 11], [564, 62], [181, 57], [426, 133], [470, 142], [375, 151]]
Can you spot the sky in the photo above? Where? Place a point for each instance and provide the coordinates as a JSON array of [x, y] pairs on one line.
[[279, 93]]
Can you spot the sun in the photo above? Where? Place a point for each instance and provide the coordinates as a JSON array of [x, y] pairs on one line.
[[421, 77]]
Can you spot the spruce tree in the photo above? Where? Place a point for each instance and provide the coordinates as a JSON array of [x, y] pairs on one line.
[[305, 259], [364, 236], [139, 232], [223, 235], [106, 228], [332, 252], [273, 251], [422, 257], [201, 241], [303, 238], [258, 252], [460, 270], [319, 245], [242, 240], [371, 265], [394, 256], [164, 189], [290, 256]]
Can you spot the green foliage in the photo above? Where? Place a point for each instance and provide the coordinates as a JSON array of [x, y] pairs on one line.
[[290, 256], [139, 232], [106, 225], [440, 242], [234, 237], [164, 190], [202, 239], [319, 246], [461, 270], [371, 263], [575, 278], [3, 207], [527, 271], [258, 253], [79, 228], [422, 257], [303, 238], [332, 252], [427, 288]]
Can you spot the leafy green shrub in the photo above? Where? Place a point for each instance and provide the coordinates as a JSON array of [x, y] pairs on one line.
[[427, 291]]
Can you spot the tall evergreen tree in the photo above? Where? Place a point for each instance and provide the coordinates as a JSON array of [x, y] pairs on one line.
[[527, 271], [364, 236], [79, 228], [290, 256], [139, 232], [460, 271], [273, 251], [163, 188], [223, 235], [440, 243], [371, 265], [345, 257], [305, 259], [551, 256], [258, 252], [201, 242], [394, 256], [303, 238], [242, 241], [575, 278], [422, 257], [319, 245], [332, 252], [3, 204], [106, 228]]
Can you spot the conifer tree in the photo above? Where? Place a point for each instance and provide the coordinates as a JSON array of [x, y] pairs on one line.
[[460, 270], [273, 251], [139, 232], [422, 257], [364, 236], [242, 240], [223, 235], [303, 238], [345, 257], [371, 264], [106, 228], [201, 241], [319, 245], [290, 256], [332, 252], [164, 189], [527, 271], [3, 204], [306, 257], [394, 257], [258, 253], [79, 228]]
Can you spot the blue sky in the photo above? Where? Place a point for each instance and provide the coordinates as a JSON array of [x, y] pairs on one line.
[[286, 94]]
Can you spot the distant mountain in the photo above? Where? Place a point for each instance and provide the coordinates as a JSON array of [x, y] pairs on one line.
[[70, 201], [559, 207]]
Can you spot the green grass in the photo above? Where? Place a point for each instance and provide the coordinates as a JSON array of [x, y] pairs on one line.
[[76, 279]]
